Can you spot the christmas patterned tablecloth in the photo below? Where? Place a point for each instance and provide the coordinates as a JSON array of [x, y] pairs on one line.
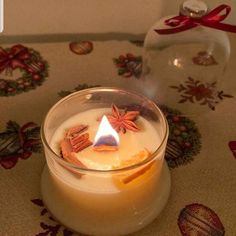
[[201, 151]]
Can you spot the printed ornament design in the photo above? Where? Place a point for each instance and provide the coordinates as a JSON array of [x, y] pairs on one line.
[[18, 142], [81, 48], [197, 219], [129, 65], [52, 228], [184, 138], [232, 146], [196, 92], [31, 70], [64, 93], [204, 59]]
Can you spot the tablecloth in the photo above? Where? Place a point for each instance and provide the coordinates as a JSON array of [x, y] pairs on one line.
[[201, 152]]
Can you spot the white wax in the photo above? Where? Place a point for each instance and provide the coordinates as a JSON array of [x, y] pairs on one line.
[[130, 142], [95, 204]]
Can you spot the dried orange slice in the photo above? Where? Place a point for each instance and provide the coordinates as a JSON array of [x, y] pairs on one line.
[[134, 177], [137, 158], [127, 179]]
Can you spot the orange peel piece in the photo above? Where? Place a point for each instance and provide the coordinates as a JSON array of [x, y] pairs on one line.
[[137, 158], [134, 177]]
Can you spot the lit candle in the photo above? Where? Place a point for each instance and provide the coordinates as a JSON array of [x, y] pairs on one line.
[[106, 138], [109, 180]]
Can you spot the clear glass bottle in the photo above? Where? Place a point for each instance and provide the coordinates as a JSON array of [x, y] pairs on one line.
[[184, 69]]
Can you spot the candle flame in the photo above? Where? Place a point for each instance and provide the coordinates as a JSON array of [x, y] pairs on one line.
[[106, 139]]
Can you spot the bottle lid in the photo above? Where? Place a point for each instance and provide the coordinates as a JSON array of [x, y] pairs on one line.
[[194, 8]]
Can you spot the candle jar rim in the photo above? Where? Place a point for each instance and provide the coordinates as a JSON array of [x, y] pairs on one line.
[[104, 89]]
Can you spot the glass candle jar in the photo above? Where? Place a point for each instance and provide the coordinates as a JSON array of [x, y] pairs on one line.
[[105, 201]]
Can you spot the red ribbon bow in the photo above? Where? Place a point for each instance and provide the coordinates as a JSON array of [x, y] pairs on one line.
[[14, 58], [212, 19]]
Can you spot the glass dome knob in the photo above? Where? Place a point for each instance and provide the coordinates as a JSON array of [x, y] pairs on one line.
[[194, 8]]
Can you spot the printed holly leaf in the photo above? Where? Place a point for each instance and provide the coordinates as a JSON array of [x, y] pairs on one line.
[[139, 59], [190, 79], [211, 106], [182, 100], [121, 71], [38, 202], [6, 136], [32, 133], [64, 93], [85, 86], [116, 60], [227, 96], [36, 148], [204, 102], [44, 211], [174, 87], [12, 126], [221, 95], [213, 84], [51, 218], [53, 230], [44, 226], [67, 232], [43, 233]]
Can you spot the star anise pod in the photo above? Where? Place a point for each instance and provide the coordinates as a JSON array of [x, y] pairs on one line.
[[122, 121]]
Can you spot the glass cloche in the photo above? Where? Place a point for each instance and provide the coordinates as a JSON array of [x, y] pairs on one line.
[[183, 70]]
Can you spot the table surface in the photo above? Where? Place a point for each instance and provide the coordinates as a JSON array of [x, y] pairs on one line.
[[203, 189]]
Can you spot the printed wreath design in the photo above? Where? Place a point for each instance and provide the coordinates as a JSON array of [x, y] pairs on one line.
[[184, 138], [29, 62], [18, 142]]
